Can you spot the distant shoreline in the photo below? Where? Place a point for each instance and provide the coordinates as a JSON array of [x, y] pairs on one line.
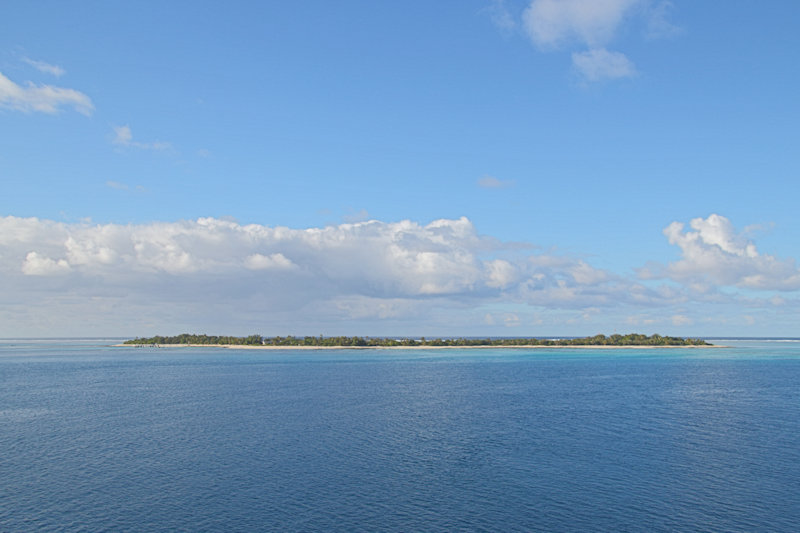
[[633, 340], [423, 347]]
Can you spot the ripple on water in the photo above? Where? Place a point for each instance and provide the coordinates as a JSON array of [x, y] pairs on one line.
[[243, 442]]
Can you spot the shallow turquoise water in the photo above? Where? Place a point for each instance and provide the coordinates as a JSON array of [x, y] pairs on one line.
[[100, 438]]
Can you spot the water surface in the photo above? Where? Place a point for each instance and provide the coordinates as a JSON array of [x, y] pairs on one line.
[[94, 437]]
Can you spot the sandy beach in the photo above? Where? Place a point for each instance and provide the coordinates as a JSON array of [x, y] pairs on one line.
[[523, 346]]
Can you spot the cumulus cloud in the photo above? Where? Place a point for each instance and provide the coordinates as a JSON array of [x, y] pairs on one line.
[[41, 98], [124, 137], [209, 273], [402, 257], [37, 265], [714, 253], [500, 273], [47, 68], [267, 262], [379, 269]]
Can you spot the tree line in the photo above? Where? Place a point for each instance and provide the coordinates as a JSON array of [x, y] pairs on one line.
[[631, 339]]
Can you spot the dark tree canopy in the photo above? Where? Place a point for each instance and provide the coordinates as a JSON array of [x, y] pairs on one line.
[[631, 339]]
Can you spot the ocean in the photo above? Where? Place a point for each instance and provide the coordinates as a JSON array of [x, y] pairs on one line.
[[102, 438]]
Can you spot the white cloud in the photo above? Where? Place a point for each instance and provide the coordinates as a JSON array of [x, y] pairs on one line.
[[714, 254], [490, 182], [500, 273], [402, 257], [47, 68], [443, 276], [267, 262], [552, 23], [42, 98], [599, 64], [37, 265], [586, 27], [124, 137], [445, 259], [586, 274]]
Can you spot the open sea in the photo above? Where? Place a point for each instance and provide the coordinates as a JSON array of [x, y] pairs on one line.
[[100, 438]]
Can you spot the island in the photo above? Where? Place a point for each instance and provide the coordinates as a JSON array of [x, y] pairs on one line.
[[255, 341]]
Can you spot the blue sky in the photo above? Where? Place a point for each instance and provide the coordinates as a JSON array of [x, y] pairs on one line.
[[419, 168]]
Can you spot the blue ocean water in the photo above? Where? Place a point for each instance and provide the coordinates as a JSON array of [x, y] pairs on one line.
[[98, 438]]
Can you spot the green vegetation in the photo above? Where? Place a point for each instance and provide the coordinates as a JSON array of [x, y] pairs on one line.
[[632, 339]]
